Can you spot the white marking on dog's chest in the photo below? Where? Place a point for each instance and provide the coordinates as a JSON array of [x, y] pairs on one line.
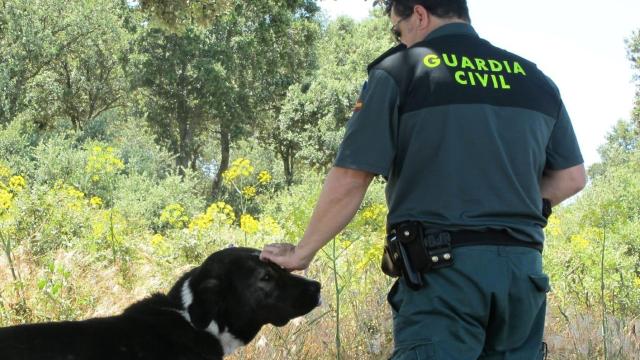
[[187, 299], [228, 342]]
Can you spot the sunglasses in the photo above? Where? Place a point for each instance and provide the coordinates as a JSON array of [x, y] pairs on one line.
[[395, 30]]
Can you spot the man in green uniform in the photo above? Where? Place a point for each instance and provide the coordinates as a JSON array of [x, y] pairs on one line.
[[471, 139]]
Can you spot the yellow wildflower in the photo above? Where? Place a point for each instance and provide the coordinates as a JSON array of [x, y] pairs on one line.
[[637, 282], [73, 192], [5, 199], [554, 227], [372, 256], [17, 183], [248, 224], [5, 172], [157, 240], [218, 212], [249, 191], [103, 162], [200, 221], [270, 226], [264, 177], [174, 215], [222, 211], [374, 212], [95, 201], [240, 167], [579, 241]]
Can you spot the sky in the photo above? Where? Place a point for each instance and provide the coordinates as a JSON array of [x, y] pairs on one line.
[[578, 43]]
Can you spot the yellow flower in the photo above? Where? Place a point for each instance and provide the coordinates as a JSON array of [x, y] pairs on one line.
[[103, 162], [222, 211], [5, 172], [374, 212], [157, 240], [95, 201], [240, 167], [269, 226], [248, 224], [264, 177], [17, 183], [174, 215], [200, 221], [637, 282], [219, 212], [373, 255], [554, 227], [579, 241], [249, 192], [5, 199]]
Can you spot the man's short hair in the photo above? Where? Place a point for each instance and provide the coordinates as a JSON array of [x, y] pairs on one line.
[[441, 8]]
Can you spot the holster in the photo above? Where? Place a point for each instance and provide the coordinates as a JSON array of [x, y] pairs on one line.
[[408, 252]]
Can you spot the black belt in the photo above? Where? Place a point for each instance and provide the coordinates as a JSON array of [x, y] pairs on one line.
[[410, 249], [493, 237]]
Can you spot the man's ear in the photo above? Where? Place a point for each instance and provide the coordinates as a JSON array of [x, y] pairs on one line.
[[424, 16], [208, 303]]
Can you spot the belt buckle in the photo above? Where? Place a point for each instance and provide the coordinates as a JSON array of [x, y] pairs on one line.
[[438, 248]]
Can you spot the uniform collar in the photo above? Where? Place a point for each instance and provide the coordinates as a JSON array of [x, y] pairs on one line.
[[452, 29]]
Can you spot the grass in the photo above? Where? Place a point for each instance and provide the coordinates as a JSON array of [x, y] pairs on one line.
[[88, 288]]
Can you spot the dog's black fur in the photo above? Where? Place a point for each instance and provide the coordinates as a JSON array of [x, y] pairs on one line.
[[212, 309]]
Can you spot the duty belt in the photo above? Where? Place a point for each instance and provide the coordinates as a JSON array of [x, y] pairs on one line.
[[410, 250]]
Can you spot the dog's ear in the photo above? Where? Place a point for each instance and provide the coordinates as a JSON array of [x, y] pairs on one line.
[[208, 303]]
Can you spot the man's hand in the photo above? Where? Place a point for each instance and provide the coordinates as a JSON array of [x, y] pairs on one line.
[[339, 201], [287, 256]]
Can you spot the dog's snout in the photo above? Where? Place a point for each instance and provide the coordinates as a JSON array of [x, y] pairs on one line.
[[314, 287]]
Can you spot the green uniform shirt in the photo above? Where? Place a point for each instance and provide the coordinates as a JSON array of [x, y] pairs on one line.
[[462, 131]]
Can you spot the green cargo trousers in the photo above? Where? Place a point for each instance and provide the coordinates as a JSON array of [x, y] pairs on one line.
[[489, 305]]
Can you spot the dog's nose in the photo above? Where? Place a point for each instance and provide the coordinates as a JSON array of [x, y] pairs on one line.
[[314, 287], [314, 290]]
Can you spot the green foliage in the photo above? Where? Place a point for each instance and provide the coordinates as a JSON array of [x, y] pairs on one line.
[[594, 242], [621, 143], [633, 51], [310, 122], [60, 60]]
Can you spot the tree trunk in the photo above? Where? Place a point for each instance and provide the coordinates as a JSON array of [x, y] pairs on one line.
[[184, 138], [287, 160], [225, 146]]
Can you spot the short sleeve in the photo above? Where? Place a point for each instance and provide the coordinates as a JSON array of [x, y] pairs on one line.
[[369, 141], [563, 150]]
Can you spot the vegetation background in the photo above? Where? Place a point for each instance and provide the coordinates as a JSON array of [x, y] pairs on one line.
[[137, 138]]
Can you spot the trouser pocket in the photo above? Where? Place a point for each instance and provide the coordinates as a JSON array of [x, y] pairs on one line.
[[541, 282]]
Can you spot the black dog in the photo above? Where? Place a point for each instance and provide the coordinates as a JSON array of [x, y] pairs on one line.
[[212, 310]]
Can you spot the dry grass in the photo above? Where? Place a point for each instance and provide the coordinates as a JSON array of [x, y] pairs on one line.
[[92, 289]]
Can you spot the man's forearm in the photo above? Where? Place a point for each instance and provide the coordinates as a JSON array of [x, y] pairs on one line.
[[339, 201]]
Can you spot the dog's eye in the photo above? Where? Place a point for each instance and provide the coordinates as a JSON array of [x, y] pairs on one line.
[[266, 277]]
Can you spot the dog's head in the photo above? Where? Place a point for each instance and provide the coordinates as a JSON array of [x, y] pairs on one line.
[[241, 293]]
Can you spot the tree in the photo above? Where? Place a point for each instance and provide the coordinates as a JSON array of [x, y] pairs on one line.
[[217, 80], [309, 126], [633, 50], [61, 59]]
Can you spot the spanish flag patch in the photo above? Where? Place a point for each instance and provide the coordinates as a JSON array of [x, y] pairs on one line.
[[358, 106]]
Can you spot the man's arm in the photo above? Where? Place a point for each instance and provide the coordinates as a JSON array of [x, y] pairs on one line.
[[559, 185], [339, 201]]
